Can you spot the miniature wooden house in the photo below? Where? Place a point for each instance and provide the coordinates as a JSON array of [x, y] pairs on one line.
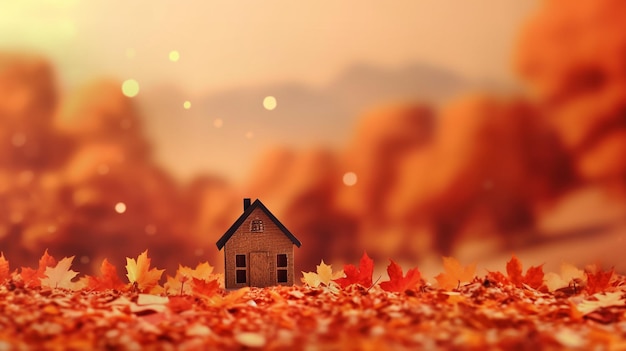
[[258, 249]]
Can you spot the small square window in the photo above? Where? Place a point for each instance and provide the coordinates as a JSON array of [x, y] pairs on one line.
[[240, 260], [281, 260], [241, 276], [256, 225], [282, 275]]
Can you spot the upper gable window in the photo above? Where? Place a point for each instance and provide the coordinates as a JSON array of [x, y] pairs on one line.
[[256, 225]]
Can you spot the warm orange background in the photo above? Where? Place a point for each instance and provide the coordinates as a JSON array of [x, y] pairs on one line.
[[472, 129]]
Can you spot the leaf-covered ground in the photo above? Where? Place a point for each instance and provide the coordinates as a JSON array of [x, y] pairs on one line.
[[475, 316], [47, 308]]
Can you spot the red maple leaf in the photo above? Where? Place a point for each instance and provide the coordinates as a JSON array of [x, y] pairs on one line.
[[497, 277], [532, 278], [361, 275], [4, 268], [107, 280], [32, 277], [598, 281], [397, 281]]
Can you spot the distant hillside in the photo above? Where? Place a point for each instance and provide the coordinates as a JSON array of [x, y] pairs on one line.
[[187, 140]]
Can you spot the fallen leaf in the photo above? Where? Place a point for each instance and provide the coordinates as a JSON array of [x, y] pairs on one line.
[[148, 302], [139, 272], [107, 280], [361, 275], [203, 288], [568, 276], [181, 283], [325, 272], [601, 300], [4, 268], [397, 281], [324, 275], [455, 274], [497, 277], [148, 299], [598, 281], [60, 276], [533, 277], [250, 339], [32, 277], [311, 279], [231, 298], [179, 304]]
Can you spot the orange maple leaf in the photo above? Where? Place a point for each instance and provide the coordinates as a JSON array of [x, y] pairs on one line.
[[32, 277], [60, 276], [598, 281], [107, 280], [455, 273], [177, 285], [139, 273], [4, 268], [361, 275], [397, 281], [205, 288], [533, 277]]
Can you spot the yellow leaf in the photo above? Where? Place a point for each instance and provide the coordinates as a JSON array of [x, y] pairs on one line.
[[601, 300], [60, 276], [311, 279], [324, 275], [455, 274], [174, 286], [203, 271], [569, 275], [139, 272]]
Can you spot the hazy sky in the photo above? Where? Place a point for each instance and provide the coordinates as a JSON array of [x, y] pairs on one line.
[[225, 44], [237, 44]]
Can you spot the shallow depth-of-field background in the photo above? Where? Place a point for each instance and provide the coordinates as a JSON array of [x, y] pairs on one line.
[[408, 130]]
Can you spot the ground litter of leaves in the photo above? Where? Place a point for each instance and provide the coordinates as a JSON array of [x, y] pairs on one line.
[[332, 311]]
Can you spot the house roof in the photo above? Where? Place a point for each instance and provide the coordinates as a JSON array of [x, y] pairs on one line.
[[222, 241]]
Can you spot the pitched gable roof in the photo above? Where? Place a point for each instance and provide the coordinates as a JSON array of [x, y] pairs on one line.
[[222, 241]]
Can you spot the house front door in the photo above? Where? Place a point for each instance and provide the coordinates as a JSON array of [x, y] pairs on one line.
[[260, 269]]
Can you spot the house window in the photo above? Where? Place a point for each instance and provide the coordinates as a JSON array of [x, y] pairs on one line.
[[281, 271], [241, 276], [240, 262], [281, 260], [256, 225], [282, 275]]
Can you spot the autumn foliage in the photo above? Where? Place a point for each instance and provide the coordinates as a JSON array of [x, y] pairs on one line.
[[398, 282], [192, 308], [108, 278], [532, 278], [202, 281], [361, 275]]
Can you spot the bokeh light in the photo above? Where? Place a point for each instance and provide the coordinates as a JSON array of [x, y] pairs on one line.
[[269, 103], [218, 123], [130, 88], [174, 56], [349, 178], [120, 207], [187, 105]]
